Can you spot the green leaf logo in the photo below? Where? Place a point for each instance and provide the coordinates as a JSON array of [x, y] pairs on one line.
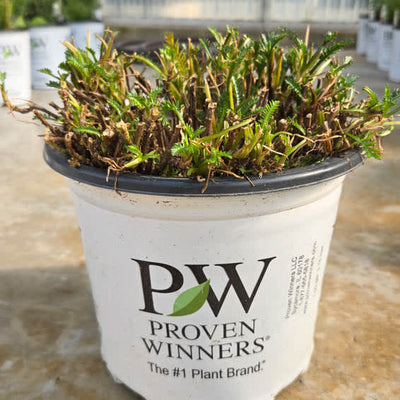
[[6, 54], [191, 300]]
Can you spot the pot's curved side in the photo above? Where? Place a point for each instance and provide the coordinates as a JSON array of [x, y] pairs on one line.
[[247, 331]]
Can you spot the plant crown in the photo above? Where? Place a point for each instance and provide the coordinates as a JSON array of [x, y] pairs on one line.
[[231, 106]]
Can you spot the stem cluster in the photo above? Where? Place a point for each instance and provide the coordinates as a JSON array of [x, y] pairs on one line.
[[231, 106]]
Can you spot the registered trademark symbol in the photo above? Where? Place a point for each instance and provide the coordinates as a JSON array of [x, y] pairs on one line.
[[267, 337]]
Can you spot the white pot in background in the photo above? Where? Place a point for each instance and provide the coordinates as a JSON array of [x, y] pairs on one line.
[[15, 62], [385, 40], [373, 43], [362, 36], [394, 71], [47, 51], [79, 33], [240, 269]]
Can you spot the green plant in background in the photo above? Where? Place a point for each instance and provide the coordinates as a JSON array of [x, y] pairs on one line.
[[11, 14], [23, 13], [79, 10], [392, 6], [387, 10], [41, 12], [374, 9], [5, 14], [236, 106]]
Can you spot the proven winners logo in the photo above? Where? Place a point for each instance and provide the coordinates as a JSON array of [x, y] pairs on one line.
[[191, 300], [216, 340]]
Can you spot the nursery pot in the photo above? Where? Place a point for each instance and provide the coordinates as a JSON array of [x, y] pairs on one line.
[[362, 35], [15, 62], [47, 51], [79, 32], [373, 41], [385, 40], [394, 71], [206, 296]]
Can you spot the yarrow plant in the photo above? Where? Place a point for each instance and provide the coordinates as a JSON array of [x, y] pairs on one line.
[[233, 106]]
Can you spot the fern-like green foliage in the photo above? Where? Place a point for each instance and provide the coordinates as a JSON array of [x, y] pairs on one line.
[[234, 105]]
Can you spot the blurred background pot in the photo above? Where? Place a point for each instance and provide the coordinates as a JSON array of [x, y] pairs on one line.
[[83, 17], [385, 42], [14, 51], [385, 38], [15, 63], [373, 41], [79, 30], [47, 51], [362, 35], [394, 69]]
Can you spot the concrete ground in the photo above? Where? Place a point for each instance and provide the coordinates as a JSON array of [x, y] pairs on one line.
[[49, 342]]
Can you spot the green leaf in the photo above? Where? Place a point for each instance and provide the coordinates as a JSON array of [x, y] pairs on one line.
[[100, 71], [177, 148], [134, 150], [268, 112], [191, 300], [216, 34], [227, 130], [47, 71], [373, 97], [116, 107], [295, 86], [149, 63], [136, 100], [53, 84], [293, 37], [206, 46], [92, 53], [90, 131]]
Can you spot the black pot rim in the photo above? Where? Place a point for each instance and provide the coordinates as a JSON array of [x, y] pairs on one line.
[[326, 170]]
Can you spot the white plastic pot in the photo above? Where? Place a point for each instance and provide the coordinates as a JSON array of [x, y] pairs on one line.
[[79, 32], [362, 36], [263, 249], [47, 51], [394, 71], [15, 62], [385, 40], [373, 41]]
